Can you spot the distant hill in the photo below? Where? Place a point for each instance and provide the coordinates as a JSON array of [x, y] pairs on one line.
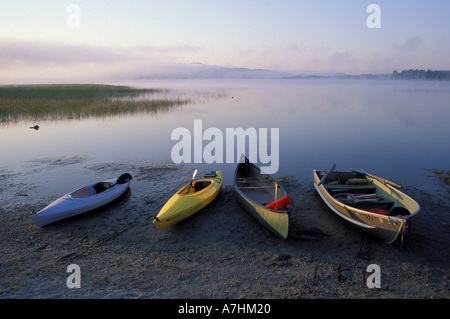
[[203, 71], [343, 76]]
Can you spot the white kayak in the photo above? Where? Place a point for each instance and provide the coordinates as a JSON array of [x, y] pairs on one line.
[[82, 200]]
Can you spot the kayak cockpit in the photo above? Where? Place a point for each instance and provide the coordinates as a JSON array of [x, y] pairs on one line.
[[92, 190], [196, 187]]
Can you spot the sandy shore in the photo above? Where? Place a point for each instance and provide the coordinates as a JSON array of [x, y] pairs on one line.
[[221, 252]]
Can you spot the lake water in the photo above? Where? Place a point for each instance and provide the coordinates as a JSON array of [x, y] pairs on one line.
[[393, 129]]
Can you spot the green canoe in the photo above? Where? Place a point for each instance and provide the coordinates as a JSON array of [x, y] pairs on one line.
[[262, 197]]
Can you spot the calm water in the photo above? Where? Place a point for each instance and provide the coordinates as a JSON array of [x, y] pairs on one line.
[[393, 129]]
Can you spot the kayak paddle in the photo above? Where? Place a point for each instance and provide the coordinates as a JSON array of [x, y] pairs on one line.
[[192, 180]]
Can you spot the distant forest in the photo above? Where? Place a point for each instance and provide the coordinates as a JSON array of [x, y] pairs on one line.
[[412, 74]]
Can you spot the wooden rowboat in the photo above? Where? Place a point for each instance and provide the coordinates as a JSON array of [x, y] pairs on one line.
[[367, 202], [262, 197]]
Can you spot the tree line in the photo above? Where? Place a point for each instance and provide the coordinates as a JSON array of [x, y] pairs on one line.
[[415, 74]]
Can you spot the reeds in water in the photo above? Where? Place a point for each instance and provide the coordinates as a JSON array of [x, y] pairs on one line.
[[60, 102]]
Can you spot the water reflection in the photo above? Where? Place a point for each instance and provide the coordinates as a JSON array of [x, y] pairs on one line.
[[390, 128], [394, 128]]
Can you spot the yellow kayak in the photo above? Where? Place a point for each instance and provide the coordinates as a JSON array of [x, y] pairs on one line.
[[190, 199]]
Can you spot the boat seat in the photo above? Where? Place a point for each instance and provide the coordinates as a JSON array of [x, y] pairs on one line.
[[102, 186], [257, 187], [352, 189], [198, 186]]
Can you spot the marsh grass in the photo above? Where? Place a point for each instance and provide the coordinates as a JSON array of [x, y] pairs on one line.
[[442, 175], [78, 101]]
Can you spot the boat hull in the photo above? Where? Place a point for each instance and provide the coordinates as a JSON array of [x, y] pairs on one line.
[[387, 227], [254, 198], [183, 205], [71, 205]]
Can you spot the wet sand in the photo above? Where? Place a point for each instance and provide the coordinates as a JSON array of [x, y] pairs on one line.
[[221, 252]]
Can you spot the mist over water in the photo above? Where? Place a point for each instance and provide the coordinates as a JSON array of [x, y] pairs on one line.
[[391, 128]]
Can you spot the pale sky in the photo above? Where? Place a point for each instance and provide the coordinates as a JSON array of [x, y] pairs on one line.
[[51, 41]]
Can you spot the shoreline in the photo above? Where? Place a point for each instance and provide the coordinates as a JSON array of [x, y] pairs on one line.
[[220, 252]]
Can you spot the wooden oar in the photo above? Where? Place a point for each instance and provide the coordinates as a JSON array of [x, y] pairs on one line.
[[192, 180], [326, 175], [380, 179]]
